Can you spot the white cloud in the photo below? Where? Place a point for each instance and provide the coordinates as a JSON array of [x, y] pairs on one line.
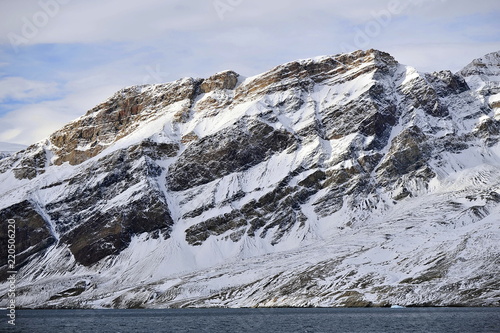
[[11, 134], [437, 56], [160, 40], [29, 124], [18, 88], [127, 20], [35, 122], [97, 21]]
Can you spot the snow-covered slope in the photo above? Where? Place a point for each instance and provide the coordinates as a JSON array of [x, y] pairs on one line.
[[345, 180]]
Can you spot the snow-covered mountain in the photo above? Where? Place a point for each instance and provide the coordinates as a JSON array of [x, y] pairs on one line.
[[7, 149], [347, 180]]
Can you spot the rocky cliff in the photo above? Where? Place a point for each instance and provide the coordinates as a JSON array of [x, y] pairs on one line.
[[347, 180]]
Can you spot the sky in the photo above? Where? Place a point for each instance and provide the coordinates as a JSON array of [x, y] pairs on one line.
[[60, 58]]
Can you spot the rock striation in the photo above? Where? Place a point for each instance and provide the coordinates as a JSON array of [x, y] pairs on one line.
[[346, 180]]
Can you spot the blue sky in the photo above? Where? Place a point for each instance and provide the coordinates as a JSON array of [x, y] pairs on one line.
[[59, 58]]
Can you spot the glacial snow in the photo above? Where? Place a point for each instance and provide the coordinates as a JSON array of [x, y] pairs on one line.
[[424, 249]]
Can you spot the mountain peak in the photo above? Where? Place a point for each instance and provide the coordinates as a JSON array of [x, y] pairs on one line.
[[488, 65], [222, 80], [344, 180], [483, 74]]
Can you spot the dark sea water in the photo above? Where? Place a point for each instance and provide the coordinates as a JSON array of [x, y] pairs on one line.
[[373, 320]]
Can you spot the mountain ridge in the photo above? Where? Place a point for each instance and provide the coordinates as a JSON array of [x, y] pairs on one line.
[[227, 191]]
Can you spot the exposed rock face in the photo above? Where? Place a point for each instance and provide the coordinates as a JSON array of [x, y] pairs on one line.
[[119, 116], [95, 228], [230, 150], [347, 180], [408, 153], [32, 234], [489, 65], [220, 81], [445, 83]]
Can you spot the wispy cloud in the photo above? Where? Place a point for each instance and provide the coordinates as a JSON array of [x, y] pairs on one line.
[[70, 54], [21, 89], [30, 123]]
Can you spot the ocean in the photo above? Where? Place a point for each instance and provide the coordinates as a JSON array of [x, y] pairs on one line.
[[359, 320]]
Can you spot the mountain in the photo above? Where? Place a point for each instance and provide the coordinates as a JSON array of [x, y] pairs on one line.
[[7, 149], [346, 180]]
